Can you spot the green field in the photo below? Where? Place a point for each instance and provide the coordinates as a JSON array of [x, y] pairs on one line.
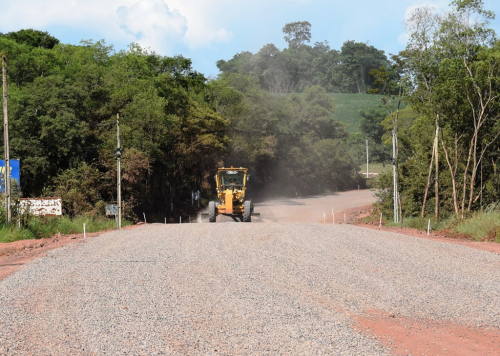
[[375, 168], [347, 107]]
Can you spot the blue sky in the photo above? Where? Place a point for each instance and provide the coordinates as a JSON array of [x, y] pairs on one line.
[[209, 30]]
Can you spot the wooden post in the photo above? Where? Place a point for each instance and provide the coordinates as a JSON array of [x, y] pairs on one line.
[[118, 172], [395, 178], [6, 140]]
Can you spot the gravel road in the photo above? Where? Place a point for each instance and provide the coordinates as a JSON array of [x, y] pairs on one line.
[[239, 289], [311, 209]]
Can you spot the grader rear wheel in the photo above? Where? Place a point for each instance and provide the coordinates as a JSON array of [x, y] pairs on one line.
[[211, 212]]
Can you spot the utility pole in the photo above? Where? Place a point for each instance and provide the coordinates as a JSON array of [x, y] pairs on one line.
[[118, 154], [367, 161], [6, 140], [395, 177]]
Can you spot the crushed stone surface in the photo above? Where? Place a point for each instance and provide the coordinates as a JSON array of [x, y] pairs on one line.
[[239, 289]]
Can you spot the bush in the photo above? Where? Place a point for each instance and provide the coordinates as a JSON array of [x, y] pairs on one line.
[[482, 225], [34, 227]]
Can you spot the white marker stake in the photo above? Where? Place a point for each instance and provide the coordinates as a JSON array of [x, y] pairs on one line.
[[324, 217], [333, 219], [428, 227], [165, 220], [180, 219], [380, 222], [344, 218], [144, 217], [84, 233]]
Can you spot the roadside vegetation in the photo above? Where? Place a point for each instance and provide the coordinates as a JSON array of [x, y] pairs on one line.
[[448, 136], [33, 227], [481, 226]]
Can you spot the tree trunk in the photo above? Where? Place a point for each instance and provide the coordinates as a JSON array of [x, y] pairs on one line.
[[453, 173], [466, 171]]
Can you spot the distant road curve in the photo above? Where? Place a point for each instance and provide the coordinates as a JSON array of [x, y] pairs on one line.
[[311, 209]]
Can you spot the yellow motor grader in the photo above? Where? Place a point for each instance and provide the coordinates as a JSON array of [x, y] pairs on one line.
[[231, 190]]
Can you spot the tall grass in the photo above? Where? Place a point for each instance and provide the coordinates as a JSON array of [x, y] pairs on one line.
[[423, 223], [480, 226], [483, 225], [11, 233], [43, 227]]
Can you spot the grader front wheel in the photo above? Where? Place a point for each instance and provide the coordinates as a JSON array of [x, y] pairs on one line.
[[247, 211]]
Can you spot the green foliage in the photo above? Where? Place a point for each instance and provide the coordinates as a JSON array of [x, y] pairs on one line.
[[371, 129], [482, 225], [33, 38], [450, 72], [11, 233], [79, 188], [63, 110], [371, 124], [358, 59]]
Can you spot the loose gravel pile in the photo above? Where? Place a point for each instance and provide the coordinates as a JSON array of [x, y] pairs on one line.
[[239, 289]]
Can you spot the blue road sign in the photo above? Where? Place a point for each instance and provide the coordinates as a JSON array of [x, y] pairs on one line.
[[14, 173]]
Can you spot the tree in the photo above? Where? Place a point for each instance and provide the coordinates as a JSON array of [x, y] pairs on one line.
[[469, 37], [357, 60], [421, 62], [297, 33], [33, 38]]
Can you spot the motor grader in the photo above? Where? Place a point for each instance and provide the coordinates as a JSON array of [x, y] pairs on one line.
[[231, 190]]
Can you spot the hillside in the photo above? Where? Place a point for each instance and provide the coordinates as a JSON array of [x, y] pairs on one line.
[[347, 107]]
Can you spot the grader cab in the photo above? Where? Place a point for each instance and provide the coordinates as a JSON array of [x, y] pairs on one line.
[[231, 190]]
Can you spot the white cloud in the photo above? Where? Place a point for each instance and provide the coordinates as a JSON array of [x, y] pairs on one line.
[[159, 24], [152, 24], [204, 19]]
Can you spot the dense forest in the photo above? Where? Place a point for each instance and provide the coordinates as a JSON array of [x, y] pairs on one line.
[[301, 65], [270, 111]]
